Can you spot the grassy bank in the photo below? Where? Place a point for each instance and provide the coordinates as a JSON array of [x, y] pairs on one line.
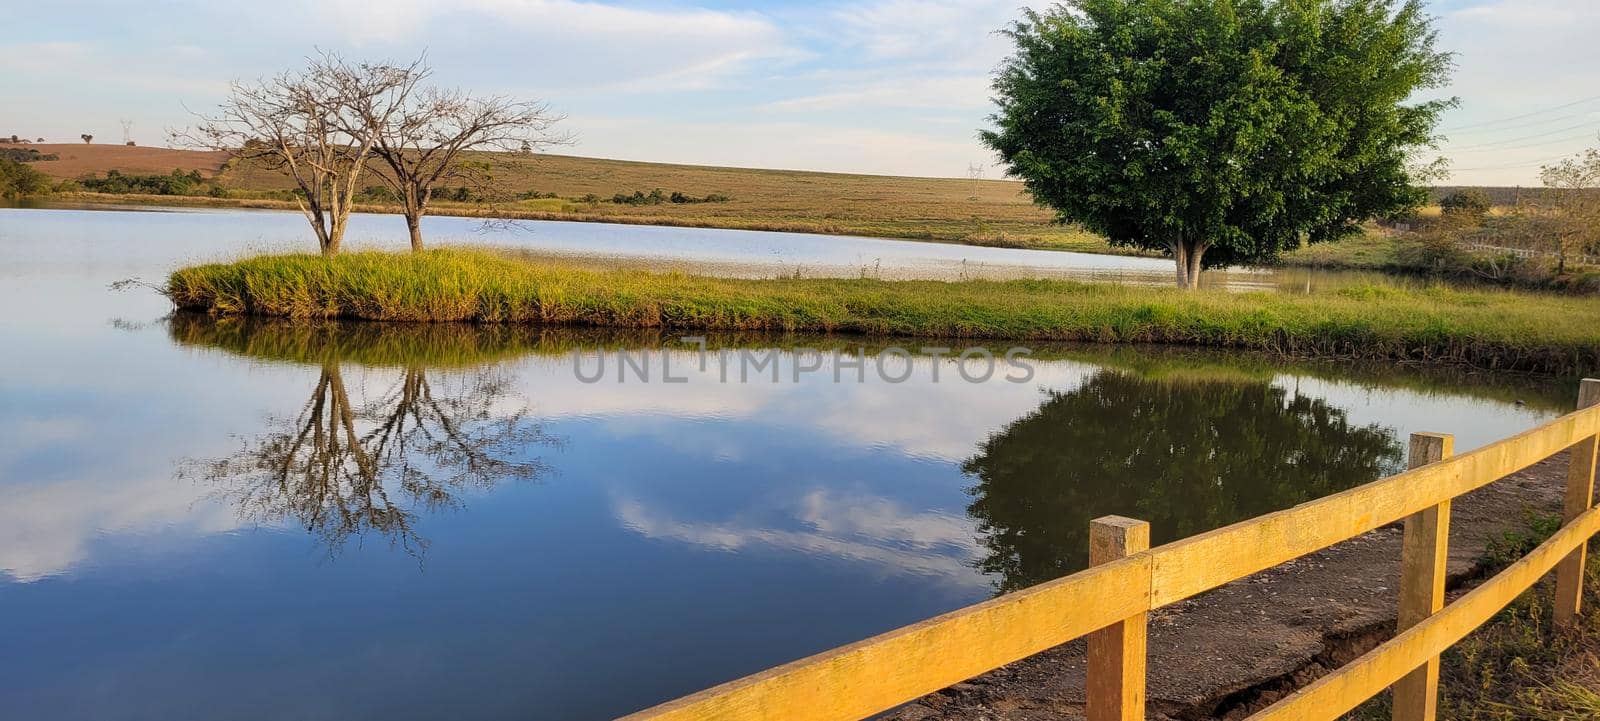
[[1484, 329]]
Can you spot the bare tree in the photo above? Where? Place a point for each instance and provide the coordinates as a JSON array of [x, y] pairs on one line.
[[1572, 216], [298, 122], [421, 145]]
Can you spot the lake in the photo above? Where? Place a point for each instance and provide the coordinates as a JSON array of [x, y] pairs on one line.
[[205, 518], [206, 234]]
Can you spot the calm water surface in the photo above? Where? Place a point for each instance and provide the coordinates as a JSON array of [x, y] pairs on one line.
[[199, 234], [255, 520]]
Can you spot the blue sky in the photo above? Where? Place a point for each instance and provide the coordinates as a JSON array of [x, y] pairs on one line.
[[876, 86]]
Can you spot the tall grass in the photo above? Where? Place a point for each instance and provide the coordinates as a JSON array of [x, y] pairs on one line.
[[1488, 329]]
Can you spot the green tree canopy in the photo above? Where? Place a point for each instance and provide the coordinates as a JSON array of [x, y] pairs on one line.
[[19, 179], [1220, 131]]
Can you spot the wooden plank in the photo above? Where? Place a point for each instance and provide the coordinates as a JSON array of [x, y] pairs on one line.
[[1205, 561], [864, 678], [1579, 498], [1337, 693], [1115, 687], [1424, 551]]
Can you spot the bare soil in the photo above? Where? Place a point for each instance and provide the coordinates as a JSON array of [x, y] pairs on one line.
[[1229, 652], [80, 159]]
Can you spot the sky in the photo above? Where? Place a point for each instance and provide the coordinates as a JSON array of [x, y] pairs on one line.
[[894, 87]]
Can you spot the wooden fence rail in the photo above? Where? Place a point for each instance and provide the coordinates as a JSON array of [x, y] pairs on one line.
[[1109, 601]]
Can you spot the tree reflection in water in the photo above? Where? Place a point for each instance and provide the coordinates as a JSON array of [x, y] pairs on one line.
[[348, 467], [1186, 455]]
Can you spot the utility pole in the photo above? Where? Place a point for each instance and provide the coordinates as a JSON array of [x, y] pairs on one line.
[[975, 171]]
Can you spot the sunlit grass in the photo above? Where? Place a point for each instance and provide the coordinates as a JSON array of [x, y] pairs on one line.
[[1492, 329]]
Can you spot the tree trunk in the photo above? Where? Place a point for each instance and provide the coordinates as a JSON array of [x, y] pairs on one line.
[[335, 233], [1196, 253], [414, 224], [1186, 257], [326, 239], [414, 205], [1181, 260]]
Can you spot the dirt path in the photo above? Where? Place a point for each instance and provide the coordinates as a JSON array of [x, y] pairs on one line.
[[1230, 651]]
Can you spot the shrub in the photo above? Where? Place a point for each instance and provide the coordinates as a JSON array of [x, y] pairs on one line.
[[376, 194], [1467, 202], [18, 179], [657, 197]]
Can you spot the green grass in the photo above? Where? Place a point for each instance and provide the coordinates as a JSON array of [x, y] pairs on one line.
[[1490, 329], [1518, 667], [1369, 250]]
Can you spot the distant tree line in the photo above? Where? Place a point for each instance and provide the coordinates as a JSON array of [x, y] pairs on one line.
[[657, 197], [26, 155], [177, 182]]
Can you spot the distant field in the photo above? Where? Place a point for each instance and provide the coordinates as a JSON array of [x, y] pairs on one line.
[[941, 209], [79, 159]]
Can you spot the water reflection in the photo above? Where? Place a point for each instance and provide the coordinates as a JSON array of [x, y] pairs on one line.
[[1187, 455], [346, 467]]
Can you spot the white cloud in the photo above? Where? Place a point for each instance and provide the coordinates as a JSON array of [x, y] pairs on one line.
[[600, 45], [952, 31], [943, 92], [871, 531]]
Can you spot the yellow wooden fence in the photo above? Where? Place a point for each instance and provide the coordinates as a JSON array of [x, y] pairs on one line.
[[1109, 601]]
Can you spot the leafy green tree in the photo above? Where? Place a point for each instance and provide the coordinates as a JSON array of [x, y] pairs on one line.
[[1219, 131], [20, 179], [1186, 455]]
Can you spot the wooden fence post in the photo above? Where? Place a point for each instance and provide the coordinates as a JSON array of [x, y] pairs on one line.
[[1114, 690], [1425, 549], [1580, 496]]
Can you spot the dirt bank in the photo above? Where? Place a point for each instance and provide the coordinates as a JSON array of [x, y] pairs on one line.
[[1229, 652]]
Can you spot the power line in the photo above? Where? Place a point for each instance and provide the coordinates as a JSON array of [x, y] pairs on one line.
[[1536, 136], [1547, 143], [1536, 123], [1524, 115], [1529, 164]]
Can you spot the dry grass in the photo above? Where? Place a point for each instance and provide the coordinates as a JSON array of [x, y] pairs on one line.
[[79, 159], [937, 209]]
